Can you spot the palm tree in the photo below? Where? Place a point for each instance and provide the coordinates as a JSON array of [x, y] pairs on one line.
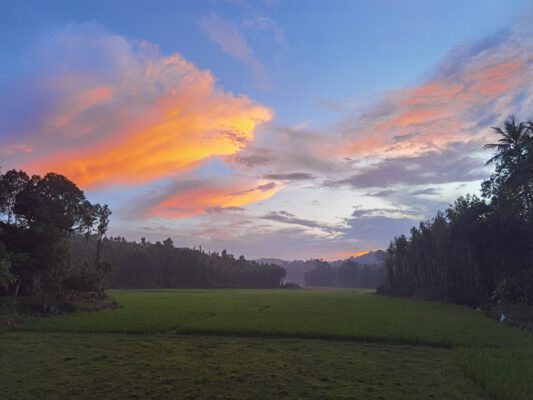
[[513, 144], [514, 164]]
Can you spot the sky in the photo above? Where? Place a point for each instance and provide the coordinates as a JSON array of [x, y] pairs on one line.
[[289, 129]]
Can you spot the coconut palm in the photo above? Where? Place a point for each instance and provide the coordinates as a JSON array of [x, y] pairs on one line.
[[513, 144]]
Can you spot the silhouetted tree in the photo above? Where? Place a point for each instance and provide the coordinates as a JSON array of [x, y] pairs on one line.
[[478, 250]]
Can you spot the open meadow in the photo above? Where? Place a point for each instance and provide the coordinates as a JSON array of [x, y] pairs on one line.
[[337, 344]]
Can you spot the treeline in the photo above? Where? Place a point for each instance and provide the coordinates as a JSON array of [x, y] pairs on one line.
[[480, 250], [38, 215], [162, 265], [348, 274]]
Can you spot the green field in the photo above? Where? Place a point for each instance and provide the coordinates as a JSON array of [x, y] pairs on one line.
[[322, 344]]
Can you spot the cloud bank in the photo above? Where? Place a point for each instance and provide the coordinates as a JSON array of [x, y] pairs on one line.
[[129, 115]]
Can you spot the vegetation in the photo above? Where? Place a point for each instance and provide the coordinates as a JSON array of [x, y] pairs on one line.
[[359, 315], [80, 366], [37, 217], [162, 265], [348, 274], [504, 373], [478, 251], [52, 242], [263, 329]]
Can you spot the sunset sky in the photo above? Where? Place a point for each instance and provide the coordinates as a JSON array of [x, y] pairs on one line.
[[290, 129]]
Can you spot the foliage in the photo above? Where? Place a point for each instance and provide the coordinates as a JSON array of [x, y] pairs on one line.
[[5, 268], [37, 217], [479, 250], [162, 265]]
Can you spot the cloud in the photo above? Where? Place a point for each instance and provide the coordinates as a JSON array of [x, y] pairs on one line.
[[475, 86], [258, 21], [221, 210], [288, 218], [293, 176], [229, 37], [453, 164], [186, 198], [429, 133], [426, 192], [120, 112]]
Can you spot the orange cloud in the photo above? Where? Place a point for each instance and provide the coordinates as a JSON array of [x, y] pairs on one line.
[[194, 201], [156, 117]]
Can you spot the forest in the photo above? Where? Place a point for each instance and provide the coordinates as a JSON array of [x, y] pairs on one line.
[[162, 265], [53, 247], [479, 251], [38, 216]]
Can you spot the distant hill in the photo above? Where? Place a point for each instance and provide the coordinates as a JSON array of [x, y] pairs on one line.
[[297, 269], [371, 258]]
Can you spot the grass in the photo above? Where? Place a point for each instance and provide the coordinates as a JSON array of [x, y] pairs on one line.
[[505, 373], [377, 348], [100, 366], [327, 314]]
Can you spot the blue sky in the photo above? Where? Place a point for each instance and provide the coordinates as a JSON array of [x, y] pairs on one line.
[[283, 121]]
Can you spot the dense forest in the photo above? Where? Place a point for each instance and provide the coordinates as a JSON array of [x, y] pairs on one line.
[[38, 215], [53, 247], [162, 265], [480, 250], [348, 274]]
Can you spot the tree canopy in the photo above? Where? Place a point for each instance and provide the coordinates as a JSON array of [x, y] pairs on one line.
[[479, 250], [38, 215]]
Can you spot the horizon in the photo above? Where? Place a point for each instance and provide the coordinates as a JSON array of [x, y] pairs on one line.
[[270, 129]]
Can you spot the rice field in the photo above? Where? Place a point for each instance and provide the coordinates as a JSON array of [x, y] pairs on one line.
[[336, 344], [327, 314]]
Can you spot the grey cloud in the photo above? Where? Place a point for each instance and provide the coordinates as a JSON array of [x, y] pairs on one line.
[[294, 176], [404, 137], [428, 191], [288, 218], [253, 157], [263, 188], [221, 210], [453, 164], [389, 212], [383, 193]]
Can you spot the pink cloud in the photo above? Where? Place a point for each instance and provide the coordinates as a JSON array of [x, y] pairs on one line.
[[484, 85]]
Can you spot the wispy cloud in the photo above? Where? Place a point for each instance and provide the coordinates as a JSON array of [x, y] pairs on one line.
[[289, 218], [292, 176], [230, 38]]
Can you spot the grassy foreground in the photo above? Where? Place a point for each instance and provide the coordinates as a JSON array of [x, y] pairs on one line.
[[79, 366], [378, 348]]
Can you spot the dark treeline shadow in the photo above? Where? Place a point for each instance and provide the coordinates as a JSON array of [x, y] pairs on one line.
[[479, 251], [163, 265]]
